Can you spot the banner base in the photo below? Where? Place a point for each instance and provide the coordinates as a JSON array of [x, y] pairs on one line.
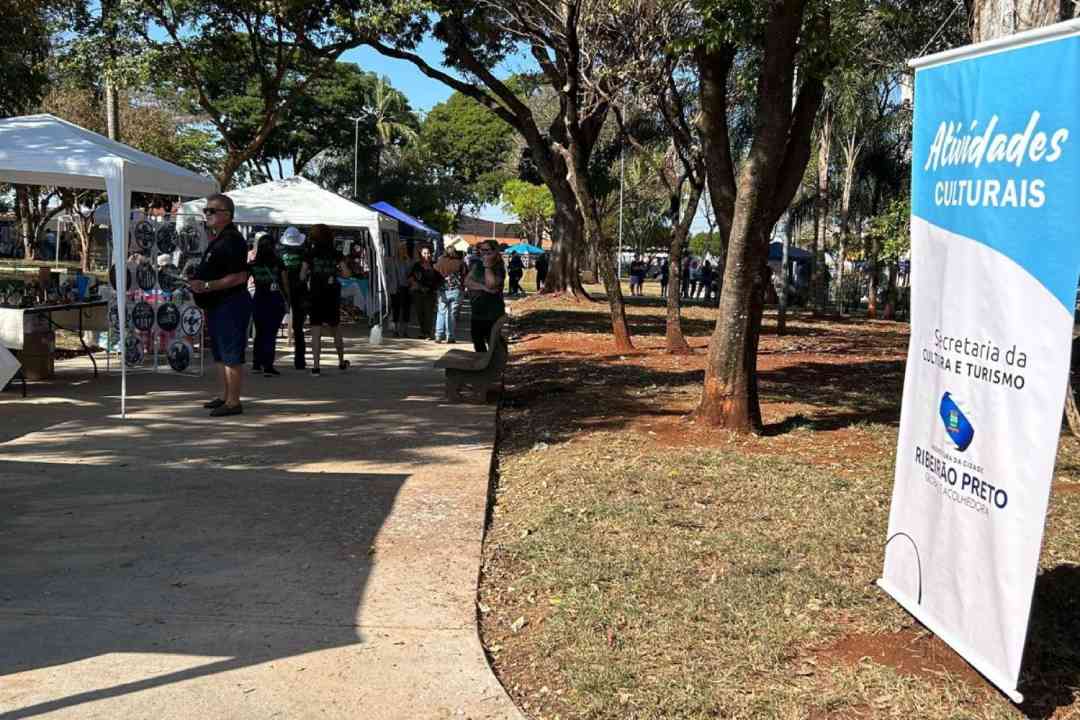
[[970, 656]]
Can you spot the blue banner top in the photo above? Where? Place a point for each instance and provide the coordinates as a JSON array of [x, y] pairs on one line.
[[996, 156]]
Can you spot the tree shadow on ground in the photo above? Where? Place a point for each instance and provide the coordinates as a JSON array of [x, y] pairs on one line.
[[1051, 670], [224, 570], [205, 546], [566, 392], [587, 320], [846, 394]]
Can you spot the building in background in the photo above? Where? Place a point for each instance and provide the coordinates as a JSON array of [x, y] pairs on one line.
[[473, 229]]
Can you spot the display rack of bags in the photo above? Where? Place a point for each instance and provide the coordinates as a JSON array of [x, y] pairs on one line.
[[165, 328]]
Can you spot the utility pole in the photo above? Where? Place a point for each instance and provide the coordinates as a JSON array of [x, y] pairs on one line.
[[355, 156], [622, 167], [112, 100]]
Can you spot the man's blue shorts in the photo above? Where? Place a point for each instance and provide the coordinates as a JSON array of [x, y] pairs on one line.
[[228, 324]]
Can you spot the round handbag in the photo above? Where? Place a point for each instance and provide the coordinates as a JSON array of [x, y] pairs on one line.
[[168, 317], [169, 278], [166, 237], [189, 240], [112, 278], [179, 355], [191, 321], [145, 276], [142, 316], [133, 351], [142, 236]]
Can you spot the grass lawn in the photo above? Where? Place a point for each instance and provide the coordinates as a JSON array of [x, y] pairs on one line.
[[640, 566]]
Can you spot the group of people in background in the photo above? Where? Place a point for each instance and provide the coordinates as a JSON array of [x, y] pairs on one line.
[[436, 289], [699, 278], [303, 277]]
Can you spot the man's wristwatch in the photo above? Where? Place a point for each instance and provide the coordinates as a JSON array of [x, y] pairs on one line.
[[208, 282]]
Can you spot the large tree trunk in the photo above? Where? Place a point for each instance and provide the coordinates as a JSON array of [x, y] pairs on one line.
[[996, 18], [873, 253], [821, 214], [673, 336], [564, 270], [600, 243], [768, 179]]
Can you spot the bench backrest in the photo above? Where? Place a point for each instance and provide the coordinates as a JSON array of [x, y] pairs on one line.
[[496, 332]]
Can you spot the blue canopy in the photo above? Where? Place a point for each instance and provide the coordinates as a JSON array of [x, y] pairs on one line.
[[776, 252], [403, 217], [524, 249]]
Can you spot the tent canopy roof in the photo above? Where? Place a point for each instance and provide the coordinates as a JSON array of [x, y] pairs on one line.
[[404, 217], [525, 249], [776, 252], [295, 201], [45, 150]]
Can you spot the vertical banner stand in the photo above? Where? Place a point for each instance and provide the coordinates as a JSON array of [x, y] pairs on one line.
[[995, 255]]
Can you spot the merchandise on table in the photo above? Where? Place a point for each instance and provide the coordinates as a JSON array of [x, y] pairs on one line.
[[191, 320], [168, 317], [142, 316], [133, 351], [166, 238], [142, 236], [145, 276], [179, 356], [169, 278]]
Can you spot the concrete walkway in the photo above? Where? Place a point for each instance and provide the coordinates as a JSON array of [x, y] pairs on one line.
[[315, 557]]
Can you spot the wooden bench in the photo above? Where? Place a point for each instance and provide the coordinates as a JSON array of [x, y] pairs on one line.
[[481, 371]]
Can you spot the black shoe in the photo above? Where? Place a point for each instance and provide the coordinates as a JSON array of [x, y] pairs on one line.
[[256, 368], [270, 372], [225, 410], [343, 365], [315, 371], [214, 404]]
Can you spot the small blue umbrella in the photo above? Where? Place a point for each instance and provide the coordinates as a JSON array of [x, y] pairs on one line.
[[524, 249]]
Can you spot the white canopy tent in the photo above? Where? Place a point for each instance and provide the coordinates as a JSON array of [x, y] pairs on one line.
[[300, 202], [45, 150]]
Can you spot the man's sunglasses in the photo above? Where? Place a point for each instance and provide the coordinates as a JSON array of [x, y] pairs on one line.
[[213, 211]]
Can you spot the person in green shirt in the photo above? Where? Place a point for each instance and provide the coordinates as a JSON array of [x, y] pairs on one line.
[[292, 253]]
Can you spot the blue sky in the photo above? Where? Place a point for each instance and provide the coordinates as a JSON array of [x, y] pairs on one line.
[[423, 92]]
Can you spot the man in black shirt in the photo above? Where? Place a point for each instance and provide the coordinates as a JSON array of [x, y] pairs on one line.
[[220, 286]]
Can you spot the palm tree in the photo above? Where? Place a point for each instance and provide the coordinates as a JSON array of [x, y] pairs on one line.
[[392, 118]]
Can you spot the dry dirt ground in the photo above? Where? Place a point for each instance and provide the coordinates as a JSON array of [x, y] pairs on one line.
[[639, 565]]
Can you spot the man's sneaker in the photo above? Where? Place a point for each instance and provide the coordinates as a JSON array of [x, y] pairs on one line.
[[270, 372], [214, 404], [315, 371], [256, 368]]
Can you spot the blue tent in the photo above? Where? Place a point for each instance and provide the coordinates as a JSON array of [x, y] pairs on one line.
[[524, 249], [776, 252], [413, 228]]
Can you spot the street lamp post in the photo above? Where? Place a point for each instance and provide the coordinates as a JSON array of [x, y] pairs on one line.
[[618, 260], [355, 154]]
